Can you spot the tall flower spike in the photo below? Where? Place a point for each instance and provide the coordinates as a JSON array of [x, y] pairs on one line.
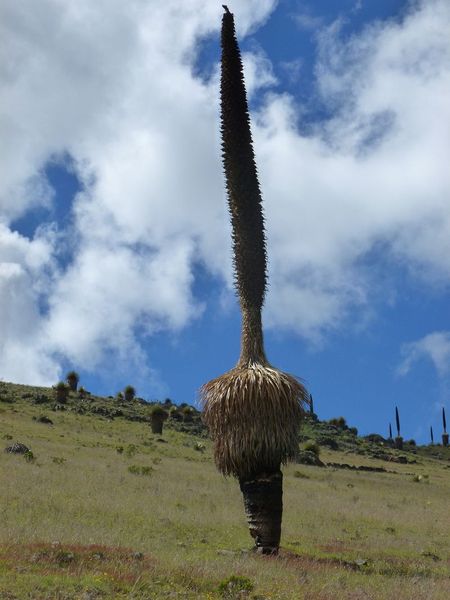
[[244, 196]]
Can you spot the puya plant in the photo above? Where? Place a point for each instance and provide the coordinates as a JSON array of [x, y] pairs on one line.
[[254, 410], [444, 425]]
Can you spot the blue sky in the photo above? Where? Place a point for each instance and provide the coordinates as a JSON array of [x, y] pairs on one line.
[[115, 256]]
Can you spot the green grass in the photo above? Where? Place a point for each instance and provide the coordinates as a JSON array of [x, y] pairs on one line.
[[107, 510]]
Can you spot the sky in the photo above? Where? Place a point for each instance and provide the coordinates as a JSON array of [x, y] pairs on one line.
[[115, 254]]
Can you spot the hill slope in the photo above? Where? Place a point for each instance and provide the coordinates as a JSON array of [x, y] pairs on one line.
[[102, 508]]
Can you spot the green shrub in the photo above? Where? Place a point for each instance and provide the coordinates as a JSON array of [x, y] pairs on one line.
[[72, 379], [129, 393], [131, 450], [312, 446], [62, 392], [140, 470], [235, 586], [29, 456], [199, 447], [158, 411], [339, 422]]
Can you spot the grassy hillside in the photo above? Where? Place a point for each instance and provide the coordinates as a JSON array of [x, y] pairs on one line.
[[102, 508]]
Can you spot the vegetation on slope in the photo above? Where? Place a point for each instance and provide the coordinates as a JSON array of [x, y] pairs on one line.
[[105, 509]]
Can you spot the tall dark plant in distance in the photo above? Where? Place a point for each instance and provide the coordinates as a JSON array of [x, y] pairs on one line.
[[397, 421], [254, 410], [445, 434], [398, 439]]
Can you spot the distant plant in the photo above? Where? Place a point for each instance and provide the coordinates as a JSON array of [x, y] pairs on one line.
[[58, 460], [398, 440], [353, 430], [235, 586], [431, 435], [199, 447], [119, 449], [29, 456], [62, 392], [119, 397], [175, 414], [157, 417], [129, 393], [339, 422], [140, 470], [312, 446], [81, 392], [40, 399], [397, 421], [188, 413], [445, 434], [72, 379]]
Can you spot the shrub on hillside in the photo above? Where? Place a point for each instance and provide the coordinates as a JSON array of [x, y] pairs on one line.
[[72, 379], [129, 393], [339, 422], [62, 392], [312, 446]]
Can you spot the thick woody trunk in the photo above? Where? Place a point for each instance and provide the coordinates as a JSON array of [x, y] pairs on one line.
[[263, 501], [157, 425]]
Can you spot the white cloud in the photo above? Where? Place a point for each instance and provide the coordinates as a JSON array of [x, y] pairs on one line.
[[119, 95], [375, 175], [111, 85], [434, 346]]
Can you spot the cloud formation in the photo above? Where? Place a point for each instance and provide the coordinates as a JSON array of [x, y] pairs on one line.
[[434, 346], [121, 97]]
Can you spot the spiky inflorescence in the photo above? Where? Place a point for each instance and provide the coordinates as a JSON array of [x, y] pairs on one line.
[[244, 195], [253, 414]]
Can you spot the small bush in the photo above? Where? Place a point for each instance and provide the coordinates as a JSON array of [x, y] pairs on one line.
[[329, 441], [339, 422], [62, 392], [158, 411], [235, 586], [29, 456], [312, 446], [72, 379], [58, 460], [139, 470], [129, 393]]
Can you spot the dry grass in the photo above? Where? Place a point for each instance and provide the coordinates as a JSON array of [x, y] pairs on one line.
[[346, 534]]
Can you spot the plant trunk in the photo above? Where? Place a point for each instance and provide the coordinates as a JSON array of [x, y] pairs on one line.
[[157, 425], [445, 439], [399, 442], [263, 501]]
